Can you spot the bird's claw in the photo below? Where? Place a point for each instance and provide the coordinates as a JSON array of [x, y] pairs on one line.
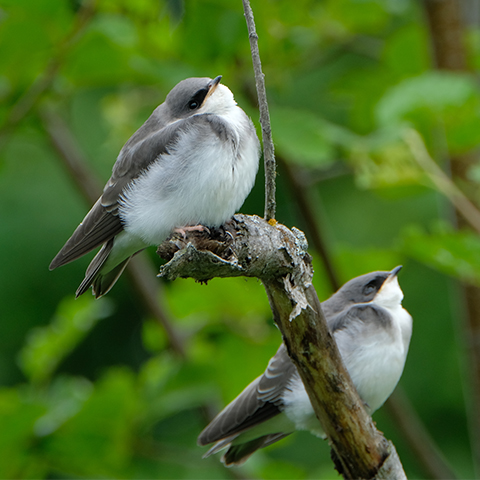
[[193, 228]]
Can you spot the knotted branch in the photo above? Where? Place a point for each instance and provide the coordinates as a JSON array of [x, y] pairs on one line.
[[249, 246]]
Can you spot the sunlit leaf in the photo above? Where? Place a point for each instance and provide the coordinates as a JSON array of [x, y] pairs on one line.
[[301, 137], [383, 160]]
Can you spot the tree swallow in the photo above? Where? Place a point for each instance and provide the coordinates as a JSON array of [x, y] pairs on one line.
[[192, 163], [372, 331]]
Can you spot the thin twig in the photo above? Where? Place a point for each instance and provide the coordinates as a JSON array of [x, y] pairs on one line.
[[140, 271], [268, 148], [441, 180]]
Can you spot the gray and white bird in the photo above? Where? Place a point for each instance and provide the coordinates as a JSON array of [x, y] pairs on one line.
[[192, 163], [372, 331]]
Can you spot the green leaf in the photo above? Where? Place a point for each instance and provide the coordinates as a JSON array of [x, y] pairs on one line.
[[238, 299], [436, 100], [456, 253], [64, 398], [96, 441], [406, 51], [383, 160], [302, 137], [46, 347], [17, 418]]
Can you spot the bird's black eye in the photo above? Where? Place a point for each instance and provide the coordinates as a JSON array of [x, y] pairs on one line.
[[197, 100], [369, 288]]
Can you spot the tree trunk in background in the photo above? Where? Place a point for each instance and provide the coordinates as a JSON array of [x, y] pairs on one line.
[[445, 19]]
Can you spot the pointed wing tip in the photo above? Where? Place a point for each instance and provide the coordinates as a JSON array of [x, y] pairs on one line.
[[55, 263], [83, 287], [207, 436], [79, 293], [201, 440], [62, 258]]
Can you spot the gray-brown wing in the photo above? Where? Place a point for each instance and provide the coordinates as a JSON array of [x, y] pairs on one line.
[[260, 401], [360, 317], [150, 142], [97, 227], [136, 156], [102, 222]]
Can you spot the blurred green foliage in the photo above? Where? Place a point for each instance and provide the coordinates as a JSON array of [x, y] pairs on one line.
[[90, 389]]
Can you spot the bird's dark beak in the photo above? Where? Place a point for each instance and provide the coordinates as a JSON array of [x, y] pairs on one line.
[[212, 85], [394, 272], [391, 276]]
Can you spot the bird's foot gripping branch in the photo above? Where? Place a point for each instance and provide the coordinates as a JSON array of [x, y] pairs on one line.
[[249, 246]]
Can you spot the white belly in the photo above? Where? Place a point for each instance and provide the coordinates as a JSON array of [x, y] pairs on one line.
[[203, 180], [375, 365]]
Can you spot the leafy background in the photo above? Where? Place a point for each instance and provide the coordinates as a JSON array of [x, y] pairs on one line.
[[94, 389]]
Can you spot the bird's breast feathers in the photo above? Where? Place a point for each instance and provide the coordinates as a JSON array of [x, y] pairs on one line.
[[298, 408], [205, 177]]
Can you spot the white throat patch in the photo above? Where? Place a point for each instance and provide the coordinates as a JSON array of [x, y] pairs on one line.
[[390, 294], [219, 102]]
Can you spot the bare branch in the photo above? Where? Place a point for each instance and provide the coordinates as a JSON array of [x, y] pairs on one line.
[[268, 148], [278, 257], [441, 180], [445, 22]]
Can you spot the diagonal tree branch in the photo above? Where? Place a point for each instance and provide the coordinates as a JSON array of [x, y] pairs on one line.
[[305, 332], [278, 257], [398, 404], [441, 180]]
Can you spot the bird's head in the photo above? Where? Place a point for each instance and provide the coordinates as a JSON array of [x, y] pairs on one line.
[[381, 288], [194, 96]]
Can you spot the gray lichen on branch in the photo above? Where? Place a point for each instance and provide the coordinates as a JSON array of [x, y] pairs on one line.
[[252, 247], [248, 246]]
